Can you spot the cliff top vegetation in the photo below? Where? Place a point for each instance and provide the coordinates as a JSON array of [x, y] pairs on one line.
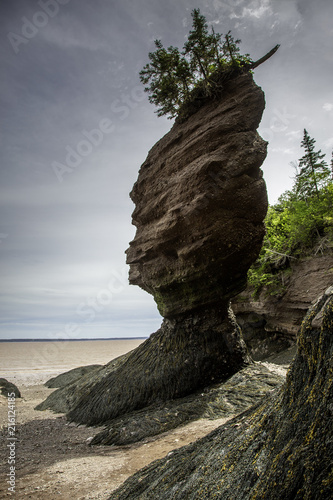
[[179, 82], [300, 224]]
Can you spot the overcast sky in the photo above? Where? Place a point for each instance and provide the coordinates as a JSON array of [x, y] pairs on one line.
[[76, 127]]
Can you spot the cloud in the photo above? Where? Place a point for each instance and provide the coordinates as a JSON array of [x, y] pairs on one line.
[[61, 242], [256, 9], [285, 151], [329, 143], [294, 135], [328, 106]]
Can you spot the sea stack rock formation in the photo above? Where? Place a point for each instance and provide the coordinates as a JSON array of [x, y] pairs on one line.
[[281, 448], [200, 204]]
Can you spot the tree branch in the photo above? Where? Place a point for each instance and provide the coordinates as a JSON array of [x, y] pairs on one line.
[[282, 254], [263, 59]]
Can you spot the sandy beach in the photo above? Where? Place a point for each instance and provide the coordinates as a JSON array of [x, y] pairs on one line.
[[53, 458], [33, 363]]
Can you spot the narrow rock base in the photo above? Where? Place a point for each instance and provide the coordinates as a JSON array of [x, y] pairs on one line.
[[186, 354]]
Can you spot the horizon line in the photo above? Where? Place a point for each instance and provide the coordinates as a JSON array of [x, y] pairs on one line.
[[71, 340]]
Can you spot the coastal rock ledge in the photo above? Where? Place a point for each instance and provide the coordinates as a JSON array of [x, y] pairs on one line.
[[200, 204], [281, 448]]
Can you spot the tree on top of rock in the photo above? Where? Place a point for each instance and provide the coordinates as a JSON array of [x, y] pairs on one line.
[[201, 47], [175, 79]]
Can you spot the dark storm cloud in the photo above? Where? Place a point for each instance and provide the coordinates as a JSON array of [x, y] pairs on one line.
[[76, 127]]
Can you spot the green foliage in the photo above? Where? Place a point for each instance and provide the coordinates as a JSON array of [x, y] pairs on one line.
[[170, 78], [313, 170], [201, 47], [174, 79], [297, 226]]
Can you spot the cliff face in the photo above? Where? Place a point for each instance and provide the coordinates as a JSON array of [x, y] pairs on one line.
[[200, 203], [281, 448], [270, 323]]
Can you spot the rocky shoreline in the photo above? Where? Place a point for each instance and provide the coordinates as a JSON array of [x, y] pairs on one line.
[[68, 466], [279, 448]]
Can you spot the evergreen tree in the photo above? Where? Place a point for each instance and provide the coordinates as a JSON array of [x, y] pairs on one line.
[[202, 47], [171, 76], [179, 82], [231, 51], [313, 171]]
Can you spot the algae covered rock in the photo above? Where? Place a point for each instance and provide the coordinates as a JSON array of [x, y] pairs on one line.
[[229, 398], [70, 376], [184, 355], [7, 387], [281, 448], [67, 396]]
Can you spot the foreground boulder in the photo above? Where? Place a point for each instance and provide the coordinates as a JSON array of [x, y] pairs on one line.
[[7, 387], [200, 204], [282, 448]]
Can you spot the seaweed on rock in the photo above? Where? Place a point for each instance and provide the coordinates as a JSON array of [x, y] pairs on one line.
[[67, 396], [70, 376], [227, 399], [7, 387], [280, 448], [183, 356]]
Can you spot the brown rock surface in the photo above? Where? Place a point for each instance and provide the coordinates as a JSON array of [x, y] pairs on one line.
[[200, 204], [269, 322]]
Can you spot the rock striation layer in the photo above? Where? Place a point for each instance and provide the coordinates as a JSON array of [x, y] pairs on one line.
[[281, 448], [200, 204], [270, 323]]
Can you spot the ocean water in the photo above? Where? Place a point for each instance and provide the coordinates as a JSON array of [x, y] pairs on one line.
[[30, 363]]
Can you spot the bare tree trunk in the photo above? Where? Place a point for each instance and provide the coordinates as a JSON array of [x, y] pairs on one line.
[[264, 58]]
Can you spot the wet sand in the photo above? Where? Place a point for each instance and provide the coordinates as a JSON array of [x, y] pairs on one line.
[[31, 363], [53, 458]]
